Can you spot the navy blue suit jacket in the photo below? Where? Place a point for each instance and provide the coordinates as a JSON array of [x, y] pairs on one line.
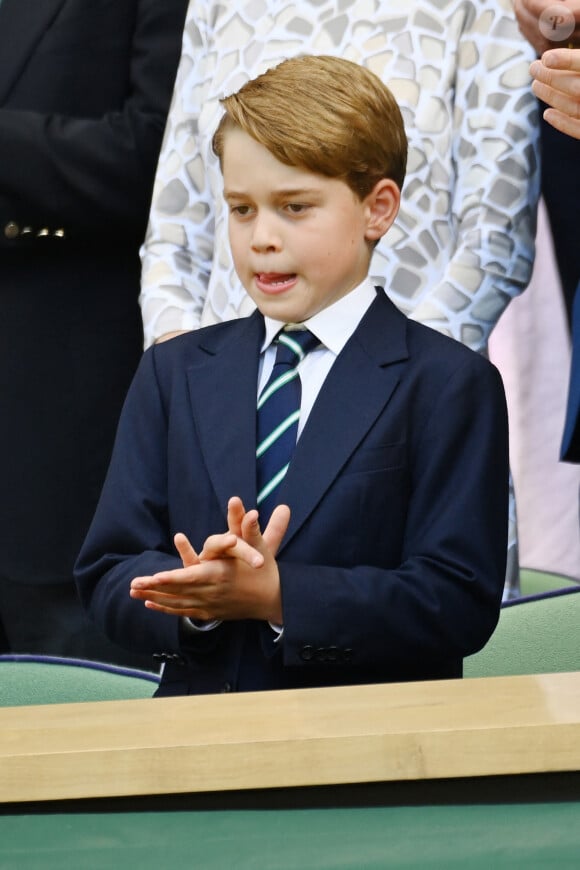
[[393, 565]]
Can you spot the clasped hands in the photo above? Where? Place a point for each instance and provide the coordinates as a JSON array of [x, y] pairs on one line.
[[235, 576]]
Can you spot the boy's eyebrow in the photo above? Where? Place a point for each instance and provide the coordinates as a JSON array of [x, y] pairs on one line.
[[283, 193], [296, 192], [234, 194]]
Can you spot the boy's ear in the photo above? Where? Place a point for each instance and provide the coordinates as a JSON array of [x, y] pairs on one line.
[[383, 206]]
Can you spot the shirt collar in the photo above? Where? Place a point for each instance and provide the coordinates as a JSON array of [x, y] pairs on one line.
[[334, 325]]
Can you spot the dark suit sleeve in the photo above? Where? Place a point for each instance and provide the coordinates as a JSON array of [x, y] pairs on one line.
[[93, 174], [441, 601], [130, 535]]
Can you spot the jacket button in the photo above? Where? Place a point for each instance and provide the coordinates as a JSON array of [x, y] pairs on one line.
[[59, 234], [307, 653], [11, 230], [227, 687], [44, 233]]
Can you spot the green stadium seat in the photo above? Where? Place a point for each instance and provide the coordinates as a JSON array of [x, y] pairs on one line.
[[33, 679], [535, 582], [538, 634]]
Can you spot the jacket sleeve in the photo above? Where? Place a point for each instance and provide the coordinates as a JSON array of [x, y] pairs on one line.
[[130, 536]]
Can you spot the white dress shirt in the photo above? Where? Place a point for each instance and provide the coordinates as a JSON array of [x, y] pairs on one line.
[[333, 326]]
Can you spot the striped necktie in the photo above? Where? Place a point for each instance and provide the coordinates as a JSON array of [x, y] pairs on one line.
[[278, 414]]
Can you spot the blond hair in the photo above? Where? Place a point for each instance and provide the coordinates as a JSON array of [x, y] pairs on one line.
[[324, 114]]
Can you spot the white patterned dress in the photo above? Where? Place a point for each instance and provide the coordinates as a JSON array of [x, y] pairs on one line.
[[463, 243]]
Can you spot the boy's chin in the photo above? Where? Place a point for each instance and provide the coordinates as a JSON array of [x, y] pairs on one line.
[[285, 314], [284, 310]]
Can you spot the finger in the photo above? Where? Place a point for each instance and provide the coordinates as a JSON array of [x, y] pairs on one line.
[[179, 577], [232, 547], [540, 72], [562, 58], [561, 100], [189, 612], [563, 123], [148, 595], [185, 550], [140, 583], [178, 599], [236, 511], [182, 609], [559, 80], [276, 528], [217, 546]]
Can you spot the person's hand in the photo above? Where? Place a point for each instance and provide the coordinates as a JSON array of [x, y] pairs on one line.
[[557, 83], [234, 577], [537, 29]]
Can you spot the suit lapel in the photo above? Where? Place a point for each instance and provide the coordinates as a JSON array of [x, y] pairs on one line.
[[22, 25], [356, 391], [226, 366]]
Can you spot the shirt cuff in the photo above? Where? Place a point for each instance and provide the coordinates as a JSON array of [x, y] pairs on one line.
[[278, 631], [196, 626]]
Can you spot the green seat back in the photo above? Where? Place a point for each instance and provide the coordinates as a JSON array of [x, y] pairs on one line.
[[537, 635], [26, 680], [534, 582]]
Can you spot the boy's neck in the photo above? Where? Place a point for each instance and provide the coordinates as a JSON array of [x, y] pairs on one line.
[[335, 324]]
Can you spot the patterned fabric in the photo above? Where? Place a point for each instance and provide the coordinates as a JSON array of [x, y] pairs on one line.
[[278, 415], [462, 245]]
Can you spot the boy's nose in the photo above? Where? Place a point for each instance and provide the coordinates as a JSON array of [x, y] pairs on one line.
[[264, 236]]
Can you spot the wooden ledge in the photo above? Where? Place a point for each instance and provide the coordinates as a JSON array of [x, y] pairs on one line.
[[311, 737]]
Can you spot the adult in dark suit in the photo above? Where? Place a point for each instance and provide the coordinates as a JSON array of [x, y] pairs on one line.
[[384, 558], [85, 86], [557, 81], [557, 85], [546, 24]]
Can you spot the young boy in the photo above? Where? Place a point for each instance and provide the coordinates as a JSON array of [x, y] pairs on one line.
[[384, 558]]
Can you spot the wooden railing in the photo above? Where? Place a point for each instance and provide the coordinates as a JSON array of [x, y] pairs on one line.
[[362, 734]]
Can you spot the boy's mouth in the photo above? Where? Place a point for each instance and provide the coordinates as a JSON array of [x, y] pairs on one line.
[[274, 282]]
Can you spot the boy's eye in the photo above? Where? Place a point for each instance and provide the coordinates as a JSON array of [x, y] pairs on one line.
[[241, 210], [296, 207]]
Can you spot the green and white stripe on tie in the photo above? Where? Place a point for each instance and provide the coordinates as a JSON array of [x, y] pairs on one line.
[[278, 415]]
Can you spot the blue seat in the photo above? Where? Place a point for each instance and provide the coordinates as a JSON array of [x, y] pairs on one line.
[[33, 679]]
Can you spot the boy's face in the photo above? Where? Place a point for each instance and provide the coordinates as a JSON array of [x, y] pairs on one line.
[[299, 240]]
